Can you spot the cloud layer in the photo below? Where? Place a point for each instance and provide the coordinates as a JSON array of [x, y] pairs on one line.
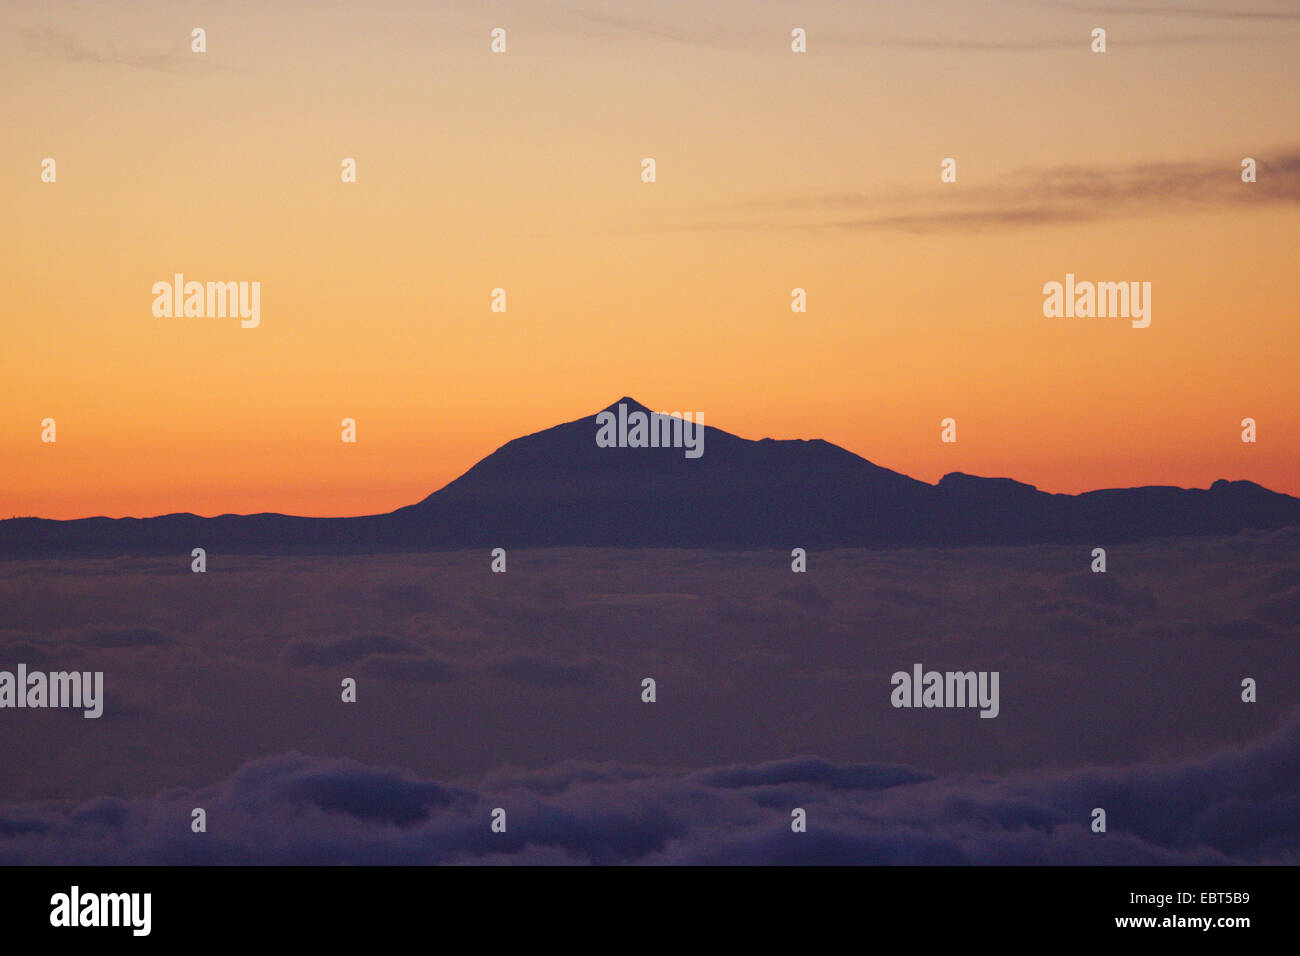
[[1233, 807]]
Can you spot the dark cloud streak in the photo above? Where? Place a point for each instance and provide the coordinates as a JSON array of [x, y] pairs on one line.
[[1030, 197]]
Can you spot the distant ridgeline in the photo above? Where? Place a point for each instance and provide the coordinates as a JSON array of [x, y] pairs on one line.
[[584, 483]]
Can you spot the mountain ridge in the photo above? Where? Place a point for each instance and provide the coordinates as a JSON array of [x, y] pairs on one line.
[[558, 487]]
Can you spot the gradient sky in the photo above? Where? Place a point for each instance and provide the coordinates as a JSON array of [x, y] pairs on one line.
[[522, 171]]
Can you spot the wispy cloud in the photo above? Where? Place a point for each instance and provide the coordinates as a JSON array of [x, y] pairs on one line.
[[738, 34], [61, 45], [1182, 12], [607, 22], [1028, 197], [1078, 43]]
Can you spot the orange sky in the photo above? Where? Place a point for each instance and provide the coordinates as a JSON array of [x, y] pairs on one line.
[[521, 171]]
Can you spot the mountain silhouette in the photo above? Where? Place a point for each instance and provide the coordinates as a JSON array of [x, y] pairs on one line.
[[558, 487]]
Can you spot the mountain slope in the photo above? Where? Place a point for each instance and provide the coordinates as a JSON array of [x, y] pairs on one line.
[[558, 487]]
